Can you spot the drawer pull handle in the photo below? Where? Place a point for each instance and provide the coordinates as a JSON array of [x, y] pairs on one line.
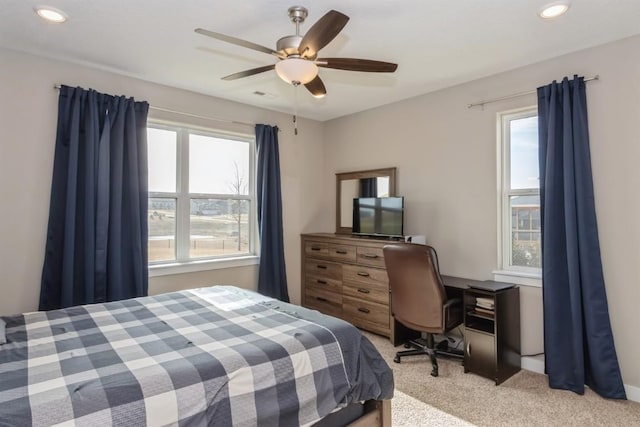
[[363, 310], [316, 248], [363, 274], [364, 291], [321, 299], [370, 256], [322, 282], [322, 267], [341, 252]]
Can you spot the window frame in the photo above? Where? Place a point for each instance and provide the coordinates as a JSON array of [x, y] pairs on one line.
[[506, 271], [183, 262]]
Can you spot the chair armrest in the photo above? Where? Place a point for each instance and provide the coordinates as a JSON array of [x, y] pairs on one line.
[[445, 310]]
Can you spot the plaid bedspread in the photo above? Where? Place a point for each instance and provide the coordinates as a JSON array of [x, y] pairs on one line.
[[210, 356]]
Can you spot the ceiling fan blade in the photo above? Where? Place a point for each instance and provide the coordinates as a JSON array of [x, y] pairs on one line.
[[236, 41], [353, 64], [321, 33], [316, 87], [251, 72]]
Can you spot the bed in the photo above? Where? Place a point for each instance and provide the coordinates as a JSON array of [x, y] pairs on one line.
[[211, 356]]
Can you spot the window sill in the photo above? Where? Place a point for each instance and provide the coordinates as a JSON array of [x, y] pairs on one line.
[[518, 277], [201, 265]]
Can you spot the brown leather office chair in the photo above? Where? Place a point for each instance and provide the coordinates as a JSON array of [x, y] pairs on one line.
[[419, 300]]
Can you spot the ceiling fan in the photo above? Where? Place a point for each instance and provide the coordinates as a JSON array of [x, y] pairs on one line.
[[298, 56]]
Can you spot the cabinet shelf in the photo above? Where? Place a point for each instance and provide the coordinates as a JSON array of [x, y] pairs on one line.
[[474, 313], [480, 322]]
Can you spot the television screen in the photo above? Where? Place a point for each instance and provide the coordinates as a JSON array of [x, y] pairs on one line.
[[378, 216]]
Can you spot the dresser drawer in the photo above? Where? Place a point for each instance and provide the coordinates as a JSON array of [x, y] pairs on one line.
[[316, 249], [373, 278], [370, 256], [342, 252], [323, 300], [367, 292], [323, 269], [370, 312], [324, 283]]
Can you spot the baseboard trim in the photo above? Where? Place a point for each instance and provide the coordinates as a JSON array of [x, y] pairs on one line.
[[536, 364], [633, 392], [532, 363]]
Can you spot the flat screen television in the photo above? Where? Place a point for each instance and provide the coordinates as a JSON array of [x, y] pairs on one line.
[[378, 216]]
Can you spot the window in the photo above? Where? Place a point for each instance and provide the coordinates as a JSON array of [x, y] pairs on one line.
[[520, 192], [201, 195]]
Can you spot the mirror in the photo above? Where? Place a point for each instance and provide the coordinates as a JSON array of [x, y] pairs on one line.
[[351, 185]]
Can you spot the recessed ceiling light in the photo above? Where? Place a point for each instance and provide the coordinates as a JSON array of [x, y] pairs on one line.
[[50, 14], [553, 10]]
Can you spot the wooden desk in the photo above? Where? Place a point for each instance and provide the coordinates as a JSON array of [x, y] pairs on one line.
[[455, 286], [453, 283], [491, 337]]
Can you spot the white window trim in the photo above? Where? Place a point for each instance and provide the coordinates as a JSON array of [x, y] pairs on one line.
[[526, 276], [518, 278], [178, 266], [170, 268]]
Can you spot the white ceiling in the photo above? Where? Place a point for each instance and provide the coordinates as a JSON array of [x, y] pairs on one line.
[[437, 43]]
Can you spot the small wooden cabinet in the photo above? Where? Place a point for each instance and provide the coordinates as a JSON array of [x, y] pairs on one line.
[[492, 333], [345, 277]]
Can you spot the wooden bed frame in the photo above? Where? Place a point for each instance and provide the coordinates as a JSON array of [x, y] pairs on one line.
[[377, 413]]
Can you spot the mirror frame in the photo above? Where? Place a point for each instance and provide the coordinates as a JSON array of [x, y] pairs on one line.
[[373, 173]]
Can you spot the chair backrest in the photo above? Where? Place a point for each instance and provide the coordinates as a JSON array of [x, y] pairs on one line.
[[417, 290]]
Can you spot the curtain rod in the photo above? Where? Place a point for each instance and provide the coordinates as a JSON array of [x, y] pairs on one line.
[[517, 95], [197, 116]]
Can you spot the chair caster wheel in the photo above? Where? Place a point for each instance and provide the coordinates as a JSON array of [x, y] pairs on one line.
[[434, 373], [407, 345], [396, 359]]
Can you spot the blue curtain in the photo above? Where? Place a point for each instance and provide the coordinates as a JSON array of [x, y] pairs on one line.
[[578, 341], [272, 276], [96, 248], [369, 187]]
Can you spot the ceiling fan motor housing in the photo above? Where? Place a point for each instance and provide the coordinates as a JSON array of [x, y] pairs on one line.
[[289, 45]]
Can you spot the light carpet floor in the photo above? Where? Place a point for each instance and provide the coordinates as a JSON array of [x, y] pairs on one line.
[[458, 399], [407, 411]]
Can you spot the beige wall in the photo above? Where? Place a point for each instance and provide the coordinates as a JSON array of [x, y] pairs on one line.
[[446, 159], [28, 114]]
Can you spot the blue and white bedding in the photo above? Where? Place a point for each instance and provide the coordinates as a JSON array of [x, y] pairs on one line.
[[210, 356]]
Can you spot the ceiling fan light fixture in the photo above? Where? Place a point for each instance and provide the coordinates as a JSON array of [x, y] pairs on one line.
[[553, 10], [296, 71]]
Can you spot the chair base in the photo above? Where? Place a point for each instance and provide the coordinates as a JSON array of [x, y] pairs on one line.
[[422, 346]]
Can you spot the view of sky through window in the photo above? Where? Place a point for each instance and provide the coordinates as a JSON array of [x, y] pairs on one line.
[[213, 163], [524, 153], [162, 159]]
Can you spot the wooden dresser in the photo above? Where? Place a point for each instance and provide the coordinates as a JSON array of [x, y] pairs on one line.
[[345, 277]]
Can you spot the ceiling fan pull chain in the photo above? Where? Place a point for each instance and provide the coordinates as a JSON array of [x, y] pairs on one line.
[[295, 109]]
